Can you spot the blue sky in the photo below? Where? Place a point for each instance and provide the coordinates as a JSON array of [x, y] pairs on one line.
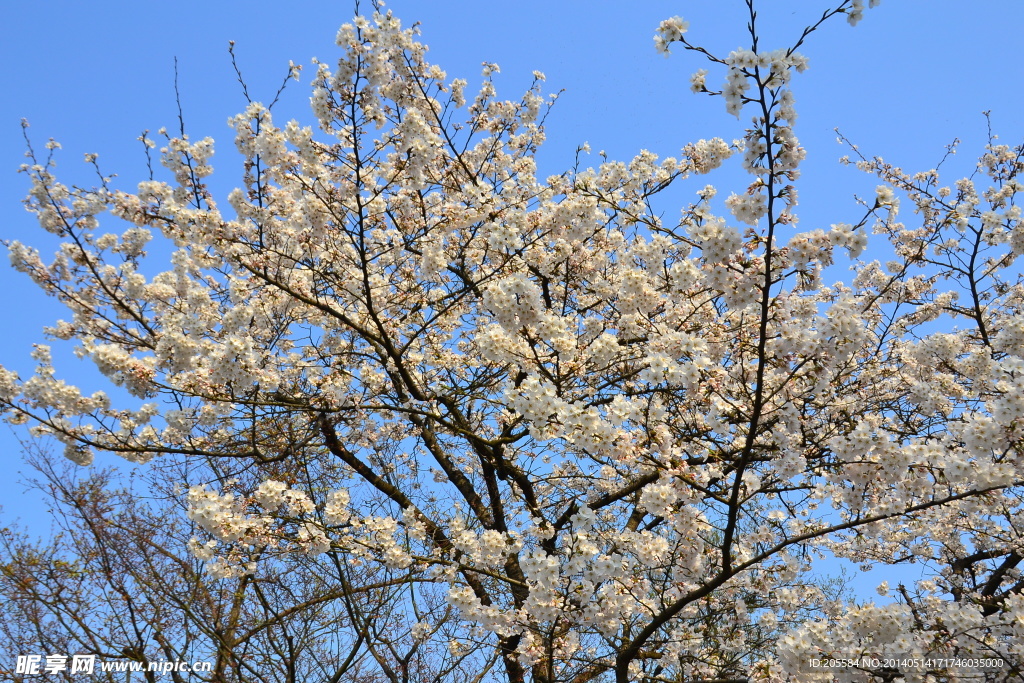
[[914, 75]]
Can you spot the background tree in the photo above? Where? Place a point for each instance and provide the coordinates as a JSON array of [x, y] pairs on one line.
[[120, 580], [615, 440]]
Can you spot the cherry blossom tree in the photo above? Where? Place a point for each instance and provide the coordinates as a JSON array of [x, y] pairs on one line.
[[615, 440]]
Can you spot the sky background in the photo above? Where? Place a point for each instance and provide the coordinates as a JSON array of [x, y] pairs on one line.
[[911, 77]]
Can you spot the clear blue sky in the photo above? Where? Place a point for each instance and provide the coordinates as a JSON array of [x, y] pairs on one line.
[[911, 77]]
